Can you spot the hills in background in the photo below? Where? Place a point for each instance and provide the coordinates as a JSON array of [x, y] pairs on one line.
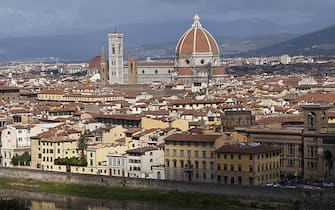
[[321, 42], [237, 37]]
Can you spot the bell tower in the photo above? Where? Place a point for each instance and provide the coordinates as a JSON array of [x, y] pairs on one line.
[[315, 118], [103, 69], [115, 43]]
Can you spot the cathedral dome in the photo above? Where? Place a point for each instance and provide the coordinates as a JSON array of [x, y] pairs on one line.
[[94, 63], [197, 41]]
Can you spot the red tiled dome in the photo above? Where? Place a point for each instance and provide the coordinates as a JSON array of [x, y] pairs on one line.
[[95, 63], [197, 40]]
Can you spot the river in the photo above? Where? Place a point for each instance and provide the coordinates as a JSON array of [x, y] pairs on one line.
[[23, 200]]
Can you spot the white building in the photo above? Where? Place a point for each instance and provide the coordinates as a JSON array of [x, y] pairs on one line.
[[140, 161], [115, 44], [15, 140], [117, 164], [148, 72], [285, 59]]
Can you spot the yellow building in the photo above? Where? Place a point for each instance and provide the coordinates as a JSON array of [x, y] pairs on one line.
[[148, 123], [97, 157], [247, 164], [191, 157], [44, 151], [114, 133]]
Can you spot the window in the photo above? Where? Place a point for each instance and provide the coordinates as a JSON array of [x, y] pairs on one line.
[[182, 163], [239, 180], [232, 156], [239, 168], [251, 180], [290, 148], [204, 165], [212, 155], [225, 167], [231, 167], [218, 167], [250, 157], [211, 165], [167, 152], [290, 163], [181, 153], [196, 154], [174, 153], [232, 180], [250, 169], [311, 151], [175, 163], [204, 154], [225, 179], [196, 163], [225, 156], [239, 157], [156, 72], [189, 153]]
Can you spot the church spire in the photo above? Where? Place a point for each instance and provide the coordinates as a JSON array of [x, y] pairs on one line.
[[102, 55], [196, 21]]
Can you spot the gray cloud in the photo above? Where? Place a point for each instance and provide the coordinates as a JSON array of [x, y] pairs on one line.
[[18, 16]]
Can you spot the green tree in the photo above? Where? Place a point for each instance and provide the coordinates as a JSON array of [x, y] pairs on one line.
[[82, 146], [22, 160]]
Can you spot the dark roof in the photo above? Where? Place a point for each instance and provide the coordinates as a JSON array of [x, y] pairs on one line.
[[192, 138], [246, 149], [119, 117], [141, 150]]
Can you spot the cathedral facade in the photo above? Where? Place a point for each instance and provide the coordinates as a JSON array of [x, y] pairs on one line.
[[197, 60]]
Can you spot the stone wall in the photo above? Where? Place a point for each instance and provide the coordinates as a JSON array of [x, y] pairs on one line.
[[230, 191]]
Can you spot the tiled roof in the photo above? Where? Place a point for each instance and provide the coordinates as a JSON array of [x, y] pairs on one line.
[[141, 150]]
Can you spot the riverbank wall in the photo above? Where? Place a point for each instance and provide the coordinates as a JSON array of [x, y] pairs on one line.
[[256, 193]]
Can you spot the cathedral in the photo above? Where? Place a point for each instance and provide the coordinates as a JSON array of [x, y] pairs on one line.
[[197, 60]]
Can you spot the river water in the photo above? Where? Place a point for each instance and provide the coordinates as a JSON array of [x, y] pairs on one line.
[[22, 200]]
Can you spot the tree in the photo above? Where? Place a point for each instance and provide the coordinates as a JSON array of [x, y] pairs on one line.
[[22, 160], [82, 146]]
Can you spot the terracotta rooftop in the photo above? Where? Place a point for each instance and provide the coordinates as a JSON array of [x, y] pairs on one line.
[[141, 150]]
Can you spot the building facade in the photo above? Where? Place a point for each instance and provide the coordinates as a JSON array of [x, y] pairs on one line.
[[191, 157], [247, 164], [307, 153]]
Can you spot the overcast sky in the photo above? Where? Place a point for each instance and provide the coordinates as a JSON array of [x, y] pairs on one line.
[[25, 16]]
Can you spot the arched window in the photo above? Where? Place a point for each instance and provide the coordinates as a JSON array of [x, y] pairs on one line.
[[311, 119]]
